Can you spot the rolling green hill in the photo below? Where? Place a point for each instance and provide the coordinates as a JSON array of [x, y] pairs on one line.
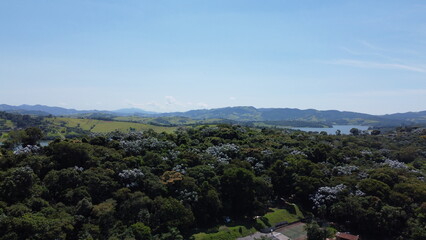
[[297, 116], [101, 126], [241, 114]]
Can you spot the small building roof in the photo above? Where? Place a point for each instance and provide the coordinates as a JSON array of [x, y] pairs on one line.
[[346, 236]]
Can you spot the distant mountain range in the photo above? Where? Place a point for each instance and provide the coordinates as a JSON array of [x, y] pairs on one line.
[[132, 111], [275, 115], [59, 111], [241, 114]]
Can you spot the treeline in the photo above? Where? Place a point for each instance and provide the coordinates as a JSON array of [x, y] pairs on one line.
[[22, 121], [149, 185]]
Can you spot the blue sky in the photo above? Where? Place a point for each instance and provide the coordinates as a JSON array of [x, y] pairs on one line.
[[159, 55]]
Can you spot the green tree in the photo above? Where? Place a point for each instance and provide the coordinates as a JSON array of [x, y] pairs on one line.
[[32, 136], [61, 182], [375, 188], [84, 207], [14, 139], [238, 192], [131, 208], [140, 231], [100, 183], [68, 154], [208, 206], [169, 212], [375, 132], [17, 184], [319, 153], [315, 232], [354, 131]]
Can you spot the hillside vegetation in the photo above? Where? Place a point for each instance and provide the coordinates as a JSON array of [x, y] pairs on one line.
[[208, 181], [295, 117], [102, 126]]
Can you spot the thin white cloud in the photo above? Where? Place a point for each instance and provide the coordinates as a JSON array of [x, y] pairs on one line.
[[232, 98], [202, 105], [63, 104], [352, 52], [370, 45], [170, 100], [372, 50], [133, 104], [171, 104], [151, 104], [364, 53], [399, 51], [376, 65], [389, 93]]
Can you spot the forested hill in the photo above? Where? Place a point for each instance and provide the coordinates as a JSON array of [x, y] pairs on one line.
[[191, 183], [272, 114], [44, 110], [294, 114], [414, 116], [241, 114]]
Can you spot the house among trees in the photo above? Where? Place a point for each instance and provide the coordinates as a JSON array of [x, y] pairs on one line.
[[344, 236]]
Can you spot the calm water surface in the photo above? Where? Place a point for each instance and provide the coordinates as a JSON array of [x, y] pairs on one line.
[[45, 143], [344, 129]]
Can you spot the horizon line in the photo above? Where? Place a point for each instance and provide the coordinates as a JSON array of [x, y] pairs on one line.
[[199, 109]]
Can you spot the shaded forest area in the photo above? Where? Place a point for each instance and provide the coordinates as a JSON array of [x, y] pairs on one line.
[[148, 185]]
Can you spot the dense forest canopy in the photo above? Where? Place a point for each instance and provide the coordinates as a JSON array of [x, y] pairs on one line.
[[149, 185]]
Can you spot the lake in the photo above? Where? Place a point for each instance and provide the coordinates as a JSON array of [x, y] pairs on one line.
[[45, 143], [344, 129]]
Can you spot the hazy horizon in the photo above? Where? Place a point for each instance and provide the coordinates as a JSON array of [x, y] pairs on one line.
[[117, 109], [169, 55]]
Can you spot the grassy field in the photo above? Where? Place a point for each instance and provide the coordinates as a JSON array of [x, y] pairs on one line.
[[9, 124], [278, 215], [3, 137], [5, 125], [167, 121], [158, 120], [274, 216], [226, 233], [101, 126]]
